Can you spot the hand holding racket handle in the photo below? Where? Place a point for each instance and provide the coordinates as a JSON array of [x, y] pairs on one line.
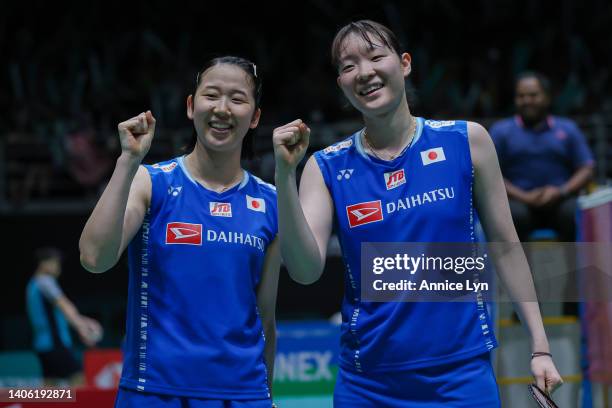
[[546, 375], [541, 397]]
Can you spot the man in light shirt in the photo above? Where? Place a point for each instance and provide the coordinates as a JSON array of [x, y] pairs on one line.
[[50, 313]]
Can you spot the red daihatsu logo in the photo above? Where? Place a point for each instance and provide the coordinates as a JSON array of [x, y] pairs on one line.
[[184, 233], [364, 213]]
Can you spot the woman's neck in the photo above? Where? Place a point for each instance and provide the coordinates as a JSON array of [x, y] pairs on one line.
[[391, 131], [217, 171]]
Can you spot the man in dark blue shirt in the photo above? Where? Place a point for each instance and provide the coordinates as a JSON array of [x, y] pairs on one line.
[[544, 159]]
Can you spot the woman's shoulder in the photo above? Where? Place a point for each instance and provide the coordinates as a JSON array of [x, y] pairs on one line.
[[167, 166], [442, 124], [445, 130], [340, 147], [268, 189]]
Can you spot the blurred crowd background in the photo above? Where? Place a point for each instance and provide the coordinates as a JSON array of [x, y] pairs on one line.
[[71, 72]]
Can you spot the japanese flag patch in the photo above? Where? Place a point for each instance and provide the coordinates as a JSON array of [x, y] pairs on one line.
[[256, 204], [432, 156]]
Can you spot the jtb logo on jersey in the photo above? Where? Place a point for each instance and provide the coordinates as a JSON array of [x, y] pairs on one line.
[[432, 156], [395, 179], [183, 233], [364, 213], [220, 209]]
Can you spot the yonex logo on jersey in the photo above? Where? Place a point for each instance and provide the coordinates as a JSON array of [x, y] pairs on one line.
[[184, 233], [432, 156], [345, 174], [364, 213], [174, 191], [167, 168], [395, 179], [256, 204], [220, 209]]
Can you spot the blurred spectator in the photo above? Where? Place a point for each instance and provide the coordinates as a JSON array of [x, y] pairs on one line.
[[545, 161], [57, 71], [88, 162], [50, 311]]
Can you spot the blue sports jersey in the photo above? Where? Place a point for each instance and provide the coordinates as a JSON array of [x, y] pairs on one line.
[[193, 327], [49, 326], [424, 195]]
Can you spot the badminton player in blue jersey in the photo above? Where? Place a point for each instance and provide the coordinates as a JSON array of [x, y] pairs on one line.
[[203, 255], [409, 180]]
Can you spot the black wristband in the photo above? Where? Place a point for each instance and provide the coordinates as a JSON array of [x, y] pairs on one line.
[[539, 354]]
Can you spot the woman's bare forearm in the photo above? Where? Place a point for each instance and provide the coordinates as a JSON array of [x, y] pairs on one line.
[[299, 247], [102, 236]]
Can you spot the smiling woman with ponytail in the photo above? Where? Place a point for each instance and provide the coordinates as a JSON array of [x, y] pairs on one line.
[[201, 325]]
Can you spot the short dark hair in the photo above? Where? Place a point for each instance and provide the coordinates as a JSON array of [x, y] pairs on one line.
[[373, 33], [248, 149], [541, 78], [46, 253]]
